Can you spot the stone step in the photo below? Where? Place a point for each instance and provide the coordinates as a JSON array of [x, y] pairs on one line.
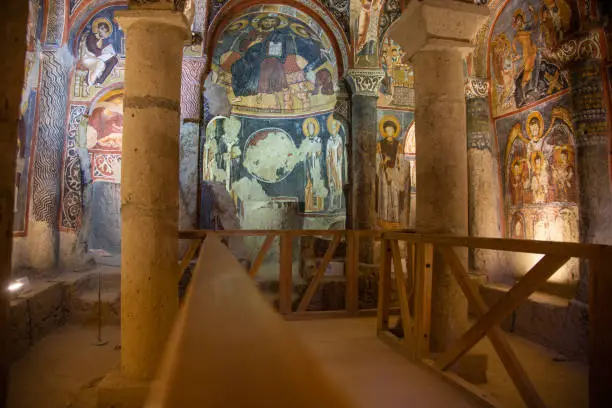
[[88, 304]]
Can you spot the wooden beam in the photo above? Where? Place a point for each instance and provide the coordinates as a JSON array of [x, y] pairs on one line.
[[515, 370], [263, 251], [318, 314], [191, 251], [600, 319], [535, 278], [285, 281], [314, 283], [351, 273], [422, 299], [384, 286], [402, 295], [229, 348], [562, 249]]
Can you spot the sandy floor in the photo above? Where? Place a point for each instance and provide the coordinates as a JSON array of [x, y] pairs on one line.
[[63, 369]]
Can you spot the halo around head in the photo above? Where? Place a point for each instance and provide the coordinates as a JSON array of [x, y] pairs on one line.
[[300, 30], [538, 116], [237, 25], [256, 22], [317, 127], [389, 118], [330, 124], [96, 23]]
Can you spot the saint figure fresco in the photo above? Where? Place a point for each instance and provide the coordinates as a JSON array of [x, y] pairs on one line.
[[392, 180], [312, 154], [540, 165], [97, 52], [334, 152]]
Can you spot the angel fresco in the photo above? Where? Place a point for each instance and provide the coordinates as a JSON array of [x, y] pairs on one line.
[[539, 165]]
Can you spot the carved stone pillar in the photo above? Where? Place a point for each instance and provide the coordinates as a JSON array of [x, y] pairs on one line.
[[484, 204], [13, 21], [364, 85], [191, 115], [436, 34], [43, 234], [149, 185]]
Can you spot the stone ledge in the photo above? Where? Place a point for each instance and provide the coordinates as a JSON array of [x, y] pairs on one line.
[[117, 391], [558, 323], [35, 314]]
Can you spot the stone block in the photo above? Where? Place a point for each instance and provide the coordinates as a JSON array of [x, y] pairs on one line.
[[472, 368], [20, 336], [552, 321], [47, 309], [117, 391], [491, 294]]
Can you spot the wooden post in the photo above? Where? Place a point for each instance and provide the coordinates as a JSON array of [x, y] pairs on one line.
[[600, 316], [285, 281], [384, 286], [261, 255], [13, 42], [402, 295], [422, 299], [191, 251], [314, 283], [351, 274]]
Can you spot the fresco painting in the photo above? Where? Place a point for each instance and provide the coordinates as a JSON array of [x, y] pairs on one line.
[[365, 16], [99, 51], [397, 87], [539, 173], [275, 63], [523, 66], [104, 132], [299, 159], [395, 151]]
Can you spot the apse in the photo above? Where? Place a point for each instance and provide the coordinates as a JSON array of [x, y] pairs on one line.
[[281, 153]]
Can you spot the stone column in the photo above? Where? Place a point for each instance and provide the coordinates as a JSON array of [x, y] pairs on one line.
[[484, 204], [149, 185], [436, 35], [592, 130], [43, 234], [13, 21], [191, 116], [364, 85]]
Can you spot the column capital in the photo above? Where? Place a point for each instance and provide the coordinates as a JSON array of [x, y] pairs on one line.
[[127, 18], [151, 4], [586, 46], [476, 87], [430, 25], [364, 82]]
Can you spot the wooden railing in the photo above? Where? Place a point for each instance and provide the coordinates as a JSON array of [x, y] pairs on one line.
[[414, 296], [286, 237], [228, 348]]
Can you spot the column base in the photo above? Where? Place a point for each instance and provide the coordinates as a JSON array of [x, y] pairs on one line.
[[118, 391]]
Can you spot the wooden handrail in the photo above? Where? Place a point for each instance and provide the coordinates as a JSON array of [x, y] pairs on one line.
[[229, 349], [570, 249], [555, 254]]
